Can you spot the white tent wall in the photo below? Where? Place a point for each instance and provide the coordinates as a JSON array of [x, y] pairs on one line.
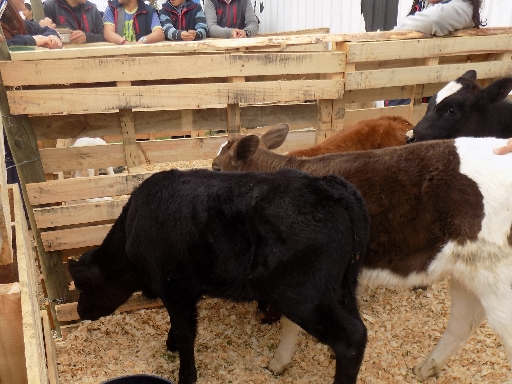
[[341, 16]]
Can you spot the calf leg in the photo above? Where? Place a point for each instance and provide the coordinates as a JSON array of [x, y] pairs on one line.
[[497, 302], [340, 327], [284, 351], [466, 315], [183, 315]]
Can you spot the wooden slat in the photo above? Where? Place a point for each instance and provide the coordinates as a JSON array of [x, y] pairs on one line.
[[32, 325], [146, 122], [423, 74], [55, 191], [5, 212], [67, 312], [51, 350], [97, 70], [71, 158], [78, 214], [191, 96], [208, 45], [132, 160], [74, 237], [408, 49], [12, 350]]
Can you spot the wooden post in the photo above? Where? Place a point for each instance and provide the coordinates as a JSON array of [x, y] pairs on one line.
[[415, 113], [35, 356], [37, 10], [25, 152], [234, 120], [12, 351], [5, 212], [129, 140], [331, 113]]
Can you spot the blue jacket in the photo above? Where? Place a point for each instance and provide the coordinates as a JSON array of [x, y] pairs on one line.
[[33, 29], [141, 18], [190, 17]]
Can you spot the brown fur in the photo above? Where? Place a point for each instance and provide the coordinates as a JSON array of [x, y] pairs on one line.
[[416, 196], [382, 132]]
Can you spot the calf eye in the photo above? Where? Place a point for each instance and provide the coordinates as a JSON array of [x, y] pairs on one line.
[[451, 111]]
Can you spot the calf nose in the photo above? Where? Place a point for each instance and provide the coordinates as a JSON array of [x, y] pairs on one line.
[[409, 137], [215, 167]]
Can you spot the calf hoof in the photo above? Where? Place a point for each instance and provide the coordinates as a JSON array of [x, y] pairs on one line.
[[276, 366], [426, 369], [171, 345]]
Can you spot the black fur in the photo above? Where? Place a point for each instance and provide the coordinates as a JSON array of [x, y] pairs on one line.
[[288, 239]]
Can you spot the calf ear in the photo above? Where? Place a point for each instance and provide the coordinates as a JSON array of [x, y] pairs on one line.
[[275, 136], [246, 147], [85, 274], [497, 91], [471, 75]]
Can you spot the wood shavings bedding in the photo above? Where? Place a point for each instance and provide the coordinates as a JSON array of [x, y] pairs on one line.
[[233, 347]]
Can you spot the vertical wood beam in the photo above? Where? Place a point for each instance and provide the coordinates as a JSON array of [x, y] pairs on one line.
[[129, 140], [37, 10], [331, 113], [35, 356], [415, 113], [12, 350], [234, 121], [23, 144], [5, 212]]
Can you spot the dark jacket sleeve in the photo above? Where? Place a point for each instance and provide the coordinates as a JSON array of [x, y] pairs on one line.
[[50, 10], [97, 31], [33, 29]]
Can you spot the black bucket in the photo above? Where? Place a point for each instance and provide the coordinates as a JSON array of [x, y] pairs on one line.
[[138, 379]]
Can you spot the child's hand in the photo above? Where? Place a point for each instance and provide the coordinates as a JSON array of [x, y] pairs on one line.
[[188, 35]]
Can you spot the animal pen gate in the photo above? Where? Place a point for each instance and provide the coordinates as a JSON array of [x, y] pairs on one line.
[[244, 86]]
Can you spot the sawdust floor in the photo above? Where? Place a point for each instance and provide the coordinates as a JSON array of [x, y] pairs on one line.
[[233, 347]]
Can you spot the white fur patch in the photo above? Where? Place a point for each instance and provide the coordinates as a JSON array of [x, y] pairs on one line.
[[493, 175], [450, 88], [220, 149]]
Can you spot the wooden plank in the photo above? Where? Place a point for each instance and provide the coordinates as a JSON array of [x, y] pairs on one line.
[[32, 325], [192, 96], [425, 48], [107, 124], [132, 160], [96, 70], [354, 116], [78, 214], [71, 158], [75, 237], [6, 254], [67, 312], [84, 187], [423, 74], [209, 45], [158, 151], [51, 350], [233, 113], [12, 350]]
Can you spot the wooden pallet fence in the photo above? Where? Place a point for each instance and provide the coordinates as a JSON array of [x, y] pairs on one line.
[[128, 93]]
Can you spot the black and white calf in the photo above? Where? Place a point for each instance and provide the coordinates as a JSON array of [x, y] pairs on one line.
[[438, 209], [463, 109], [286, 238]]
